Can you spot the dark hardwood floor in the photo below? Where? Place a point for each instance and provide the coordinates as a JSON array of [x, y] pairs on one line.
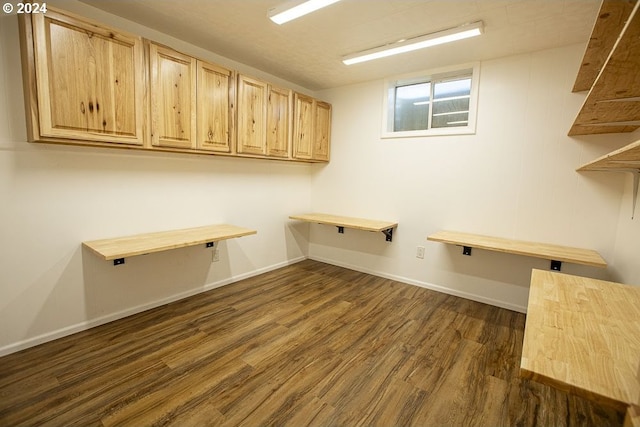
[[309, 344]]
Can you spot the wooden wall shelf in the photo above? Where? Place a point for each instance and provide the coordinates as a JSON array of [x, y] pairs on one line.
[[612, 103], [583, 336], [119, 248], [555, 253], [343, 222], [612, 16], [626, 159]]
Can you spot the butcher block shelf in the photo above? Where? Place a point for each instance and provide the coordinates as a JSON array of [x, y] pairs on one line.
[[554, 253], [343, 222], [613, 103], [123, 247], [583, 336]]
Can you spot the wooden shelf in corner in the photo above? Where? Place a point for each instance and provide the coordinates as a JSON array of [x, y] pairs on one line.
[[343, 222], [547, 251], [625, 159], [613, 103], [612, 16], [123, 247]]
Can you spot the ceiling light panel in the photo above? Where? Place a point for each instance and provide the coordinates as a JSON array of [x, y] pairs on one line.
[[295, 9], [415, 43]]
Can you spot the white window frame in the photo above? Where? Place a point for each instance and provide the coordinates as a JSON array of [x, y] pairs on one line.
[[388, 108]]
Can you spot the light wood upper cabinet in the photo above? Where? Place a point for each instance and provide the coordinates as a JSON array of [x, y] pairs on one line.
[[279, 106], [252, 116], [303, 127], [215, 105], [322, 131], [173, 98], [191, 102], [264, 118], [86, 83], [312, 128], [83, 81]]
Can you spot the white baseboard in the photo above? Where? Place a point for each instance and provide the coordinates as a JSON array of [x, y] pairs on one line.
[[83, 326], [473, 297]]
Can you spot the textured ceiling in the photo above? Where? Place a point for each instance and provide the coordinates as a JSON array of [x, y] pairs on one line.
[[308, 51]]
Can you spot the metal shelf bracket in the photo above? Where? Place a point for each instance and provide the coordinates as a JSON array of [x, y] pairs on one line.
[[636, 179]]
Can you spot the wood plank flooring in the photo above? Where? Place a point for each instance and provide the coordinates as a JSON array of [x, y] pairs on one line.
[[309, 344]]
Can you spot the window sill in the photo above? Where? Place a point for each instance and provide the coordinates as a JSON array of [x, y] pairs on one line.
[[430, 132]]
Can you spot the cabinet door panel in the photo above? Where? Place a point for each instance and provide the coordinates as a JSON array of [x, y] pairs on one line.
[[90, 81], [303, 127], [278, 122], [173, 98], [252, 116], [215, 107], [322, 137]]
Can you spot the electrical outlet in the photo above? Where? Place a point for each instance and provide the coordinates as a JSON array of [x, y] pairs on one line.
[[420, 252], [215, 255]]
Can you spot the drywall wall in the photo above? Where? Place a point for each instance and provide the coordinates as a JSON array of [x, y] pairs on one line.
[[514, 178], [55, 197]]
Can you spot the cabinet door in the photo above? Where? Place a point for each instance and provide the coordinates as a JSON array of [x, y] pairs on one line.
[[215, 107], [173, 98], [303, 127], [252, 116], [90, 81], [278, 122], [322, 131]]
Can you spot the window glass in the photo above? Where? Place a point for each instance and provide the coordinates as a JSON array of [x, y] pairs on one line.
[[440, 103], [451, 103], [411, 110]]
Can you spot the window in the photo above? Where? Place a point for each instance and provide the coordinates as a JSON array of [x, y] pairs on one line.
[[440, 103]]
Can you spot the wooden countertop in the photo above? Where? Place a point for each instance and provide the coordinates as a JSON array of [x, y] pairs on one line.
[[123, 247], [519, 247], [583, 336], [346, 221]]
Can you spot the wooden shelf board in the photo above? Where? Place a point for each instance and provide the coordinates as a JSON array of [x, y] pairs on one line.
[[625, 158], [123, 247], [611, 19], [345, 221], [519, 247], [619, 78], [583, 336]]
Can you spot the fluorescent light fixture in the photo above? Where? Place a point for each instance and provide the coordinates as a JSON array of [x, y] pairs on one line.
[[295, 9], [420, 42]]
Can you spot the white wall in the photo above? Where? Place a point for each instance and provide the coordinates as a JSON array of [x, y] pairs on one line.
[[626, 267], [55, 197], [514, 178]]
